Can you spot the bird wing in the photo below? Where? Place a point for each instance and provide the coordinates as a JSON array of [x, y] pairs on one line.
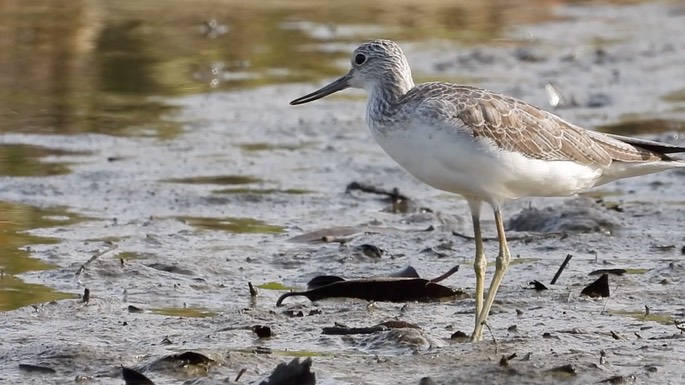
[[516, 126]]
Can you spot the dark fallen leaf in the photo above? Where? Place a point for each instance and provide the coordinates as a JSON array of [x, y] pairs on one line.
[[262, 331], [608, 271], [323, 280], [86, 295], [537, 285], [599, 288], [399, 287], [133, 377], [459, 335], [134, 309], [407, 272], [615, 336], [189, 358], [36, 369], [292, 373], [389, 289]]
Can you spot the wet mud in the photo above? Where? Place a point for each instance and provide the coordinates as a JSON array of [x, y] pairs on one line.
[[166, 232]]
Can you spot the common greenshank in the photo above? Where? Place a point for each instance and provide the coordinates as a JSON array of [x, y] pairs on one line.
[[486, 146]]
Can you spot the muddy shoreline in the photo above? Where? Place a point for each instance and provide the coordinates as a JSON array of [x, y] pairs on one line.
[[183, 249]]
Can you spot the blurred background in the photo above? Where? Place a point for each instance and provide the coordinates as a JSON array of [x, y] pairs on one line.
[[75, 66]]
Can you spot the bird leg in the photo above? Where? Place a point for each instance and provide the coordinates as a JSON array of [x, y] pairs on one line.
[[480, 263], [502, 264]]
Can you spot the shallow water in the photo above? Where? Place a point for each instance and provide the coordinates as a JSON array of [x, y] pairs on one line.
[[152, 158]]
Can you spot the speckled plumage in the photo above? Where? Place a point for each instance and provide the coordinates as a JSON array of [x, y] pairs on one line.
[[514, 125], [485, 146]]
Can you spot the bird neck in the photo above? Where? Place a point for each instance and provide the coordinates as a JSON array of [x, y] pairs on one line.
[[384, 97]]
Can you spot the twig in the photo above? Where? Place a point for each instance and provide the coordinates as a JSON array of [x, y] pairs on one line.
[[561, 268], [93, 258], [470, 238], [493, 337], [393, 194], [446, 275], [240, 374]]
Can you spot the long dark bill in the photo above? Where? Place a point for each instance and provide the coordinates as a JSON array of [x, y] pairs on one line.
[[336, 86]]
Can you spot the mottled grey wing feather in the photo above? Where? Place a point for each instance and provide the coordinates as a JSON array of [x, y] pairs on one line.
[[514, 125]]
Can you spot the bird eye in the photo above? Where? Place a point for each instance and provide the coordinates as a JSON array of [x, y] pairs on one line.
[[359, 59]]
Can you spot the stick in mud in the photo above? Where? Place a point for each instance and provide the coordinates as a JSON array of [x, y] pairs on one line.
[[240, 374], [94, 257], [446, 275], [253, 290], [561, 268]]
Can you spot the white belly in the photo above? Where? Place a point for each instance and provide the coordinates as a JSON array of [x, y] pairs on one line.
[[461, 164]]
